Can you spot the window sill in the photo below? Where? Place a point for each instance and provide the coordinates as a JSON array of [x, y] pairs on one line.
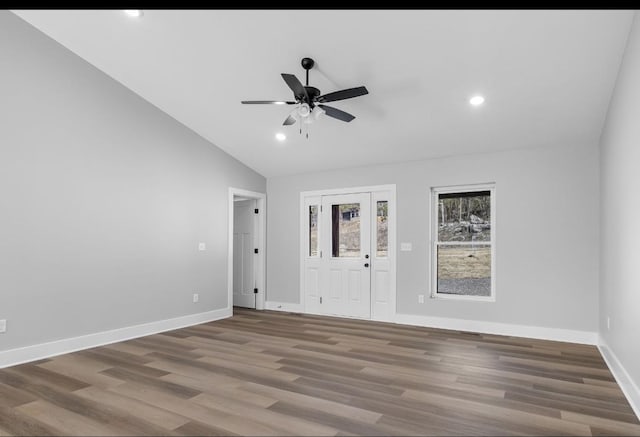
[[440, 296]]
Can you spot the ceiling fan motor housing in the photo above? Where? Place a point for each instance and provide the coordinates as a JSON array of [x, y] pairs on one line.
[[313, 94]]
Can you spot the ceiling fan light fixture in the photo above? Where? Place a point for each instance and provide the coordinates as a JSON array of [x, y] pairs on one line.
[[294, 114], [304, 110], [318, 112]]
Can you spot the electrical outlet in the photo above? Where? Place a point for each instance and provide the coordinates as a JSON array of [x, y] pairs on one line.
[[3, 326], [608, 323], [202, 246], [406, 247], [421, 298], [196, 297]]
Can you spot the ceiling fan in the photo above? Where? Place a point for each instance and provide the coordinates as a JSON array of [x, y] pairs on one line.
[[310, 103]]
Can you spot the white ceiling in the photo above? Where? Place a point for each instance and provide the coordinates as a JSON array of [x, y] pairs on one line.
[[547, 77]]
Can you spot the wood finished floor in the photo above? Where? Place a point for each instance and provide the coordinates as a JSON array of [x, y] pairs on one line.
[[272, 373]]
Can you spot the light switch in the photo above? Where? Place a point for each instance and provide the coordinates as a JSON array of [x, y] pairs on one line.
[[3, 326], [202, 246], [406, 247]]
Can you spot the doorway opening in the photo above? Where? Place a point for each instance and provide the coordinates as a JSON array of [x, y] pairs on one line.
[[246, 258], [347, 248]]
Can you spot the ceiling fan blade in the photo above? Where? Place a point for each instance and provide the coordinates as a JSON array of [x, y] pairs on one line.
[[298, 90], [337, 113], [289, 120], [267, 102], [343, 94]]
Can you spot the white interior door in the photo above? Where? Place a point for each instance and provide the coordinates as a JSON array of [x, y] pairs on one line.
[[244, 243], [345, 242]]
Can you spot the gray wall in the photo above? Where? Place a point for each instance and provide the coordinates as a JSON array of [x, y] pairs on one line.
[[620, 213], [103, 200], [546, 236]]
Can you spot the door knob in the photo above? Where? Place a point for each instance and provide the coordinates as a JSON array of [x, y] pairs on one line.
[[366, 264]]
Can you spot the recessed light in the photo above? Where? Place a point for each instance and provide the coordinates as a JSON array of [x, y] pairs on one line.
[[280, 136], [134, 13], [476, 100]]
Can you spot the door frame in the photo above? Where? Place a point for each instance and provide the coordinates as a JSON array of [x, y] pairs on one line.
[[391, 188], [261, 232]]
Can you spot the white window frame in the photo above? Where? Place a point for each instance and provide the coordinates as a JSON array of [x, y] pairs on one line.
[[433, 273]]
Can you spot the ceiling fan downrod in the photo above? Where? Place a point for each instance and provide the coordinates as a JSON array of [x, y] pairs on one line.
[[307, 64]]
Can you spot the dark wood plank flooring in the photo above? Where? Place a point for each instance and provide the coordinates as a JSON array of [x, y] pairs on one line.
[[273, 373]]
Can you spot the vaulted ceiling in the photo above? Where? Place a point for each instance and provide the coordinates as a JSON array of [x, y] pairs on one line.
[[547, 77]]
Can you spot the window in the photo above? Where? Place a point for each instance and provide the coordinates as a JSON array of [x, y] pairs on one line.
[[345, 220], [463, 249], [382, 225], [313, 230]]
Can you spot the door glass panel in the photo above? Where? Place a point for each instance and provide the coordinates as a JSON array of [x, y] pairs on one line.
[[464, 269], [345, 230], [313, 230], [382, 223]]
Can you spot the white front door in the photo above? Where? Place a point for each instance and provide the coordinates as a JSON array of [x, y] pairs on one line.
[[244, 244], [345, 243], [347, 265]]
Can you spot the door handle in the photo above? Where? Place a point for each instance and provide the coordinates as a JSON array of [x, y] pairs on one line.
[[366, 264]]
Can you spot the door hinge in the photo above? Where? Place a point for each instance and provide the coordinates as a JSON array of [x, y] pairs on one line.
[[320, 254], [255, 250], [256, 211], [320, 299], [320, 208], [255, 291]]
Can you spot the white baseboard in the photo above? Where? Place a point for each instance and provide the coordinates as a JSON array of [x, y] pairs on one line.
[[624, 380], [283, 306], [40, 351], [538, 332]]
